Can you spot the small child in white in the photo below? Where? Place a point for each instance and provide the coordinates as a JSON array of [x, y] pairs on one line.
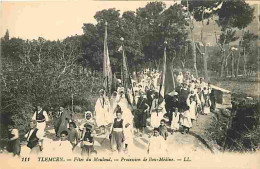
[[175, 120], [128, 133], [192, 104], [157, 144], [207, 105]]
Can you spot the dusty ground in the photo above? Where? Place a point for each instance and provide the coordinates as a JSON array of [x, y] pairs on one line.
[[177, 143]]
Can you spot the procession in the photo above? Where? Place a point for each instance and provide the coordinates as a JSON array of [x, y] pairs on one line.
[[177, 80], [141, 111]]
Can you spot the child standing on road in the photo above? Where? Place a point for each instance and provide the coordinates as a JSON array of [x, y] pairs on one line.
[[163, 129], [192, 107], [207, 105], [128, 137], [117, 133], [87, 144], [157, 145], [73, 136], [175, 120]]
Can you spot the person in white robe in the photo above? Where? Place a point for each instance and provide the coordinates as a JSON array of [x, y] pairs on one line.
[[202, 84], [129, 142], [192, 107], [126, 108], [207, 105], [175, 125], [113, 104], [180, 78], [63, 147], [157, 144], [157, 111], [87, 120], [102, 111]]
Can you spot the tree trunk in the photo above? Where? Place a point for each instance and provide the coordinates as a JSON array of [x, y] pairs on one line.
[[72, 102], [232, 65], [226, 66], [183, 64], [205, 64], [244, 72], [194, 58], [237, 68], [222, 66], [239, 50]]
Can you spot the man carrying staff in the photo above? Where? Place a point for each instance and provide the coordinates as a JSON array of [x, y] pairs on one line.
[[34, 138], [41, 118]]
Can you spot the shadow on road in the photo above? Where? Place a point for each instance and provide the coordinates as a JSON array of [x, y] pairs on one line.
[[201, 140]]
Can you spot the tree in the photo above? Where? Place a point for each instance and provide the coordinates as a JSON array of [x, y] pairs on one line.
[[6, 37], [247, 45], [132, 40], [201, 11], [175, 33], [91, 47], [226, 37], [149, 20], [236, 14], [112, 17], [45, 73]]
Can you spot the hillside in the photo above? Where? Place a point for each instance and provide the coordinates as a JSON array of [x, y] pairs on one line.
[[209, 30]]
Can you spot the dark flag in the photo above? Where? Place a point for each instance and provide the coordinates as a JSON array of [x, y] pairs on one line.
[[126, 79], [125, 73], [167, 83], [107, 72], [114, 83]]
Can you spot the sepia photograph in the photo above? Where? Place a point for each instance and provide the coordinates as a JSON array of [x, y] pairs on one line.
[[130, 84]]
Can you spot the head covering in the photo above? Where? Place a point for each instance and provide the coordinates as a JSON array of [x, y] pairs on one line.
[[101, 91], [173, 93], [156, 129], [88, 113]]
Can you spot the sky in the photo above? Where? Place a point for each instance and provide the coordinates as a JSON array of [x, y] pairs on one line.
[[57, 19]]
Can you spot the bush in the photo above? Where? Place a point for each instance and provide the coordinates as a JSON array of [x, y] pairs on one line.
[[238, 130]]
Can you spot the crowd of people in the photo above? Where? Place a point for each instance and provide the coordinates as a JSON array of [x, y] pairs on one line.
[[138, 111]]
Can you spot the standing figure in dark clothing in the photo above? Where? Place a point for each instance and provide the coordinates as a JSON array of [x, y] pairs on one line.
[[87, 140], [179, 87], [171, 102], [64, 120], [141, 113], [213, 100], [57, 120], [13, 145], [34, 138], [149, 95], [163, 129], [183, 98]]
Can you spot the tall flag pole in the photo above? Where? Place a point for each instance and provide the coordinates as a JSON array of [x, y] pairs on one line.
[[162, 83], [126, 79], [167, 84], [107, 71], [124, 67]]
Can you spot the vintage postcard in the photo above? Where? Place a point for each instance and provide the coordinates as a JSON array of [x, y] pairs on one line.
[[130, 84]]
